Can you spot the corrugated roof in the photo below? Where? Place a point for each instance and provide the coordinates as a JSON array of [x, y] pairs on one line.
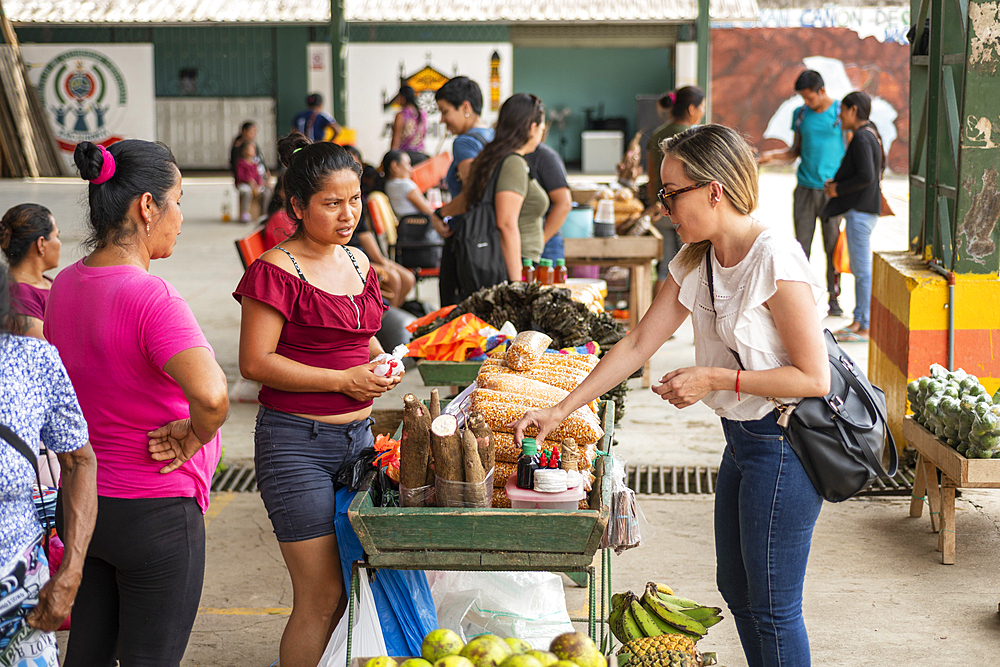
[[369, 11]]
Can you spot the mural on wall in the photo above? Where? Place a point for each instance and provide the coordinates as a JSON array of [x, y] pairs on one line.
[[745, 62]]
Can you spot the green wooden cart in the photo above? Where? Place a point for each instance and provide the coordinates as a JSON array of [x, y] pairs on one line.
[[445, 538], [448, 373]]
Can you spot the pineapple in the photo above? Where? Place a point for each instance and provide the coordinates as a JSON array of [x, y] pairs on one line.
[[644, 646], [665, 659]]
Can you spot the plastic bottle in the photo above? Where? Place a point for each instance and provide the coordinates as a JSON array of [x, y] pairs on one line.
[[226, 213], [544, 273], [561, 272], [527, 464], [527, 271]]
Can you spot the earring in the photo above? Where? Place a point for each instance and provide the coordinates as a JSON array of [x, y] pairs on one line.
[[147, 229], [466, 115]]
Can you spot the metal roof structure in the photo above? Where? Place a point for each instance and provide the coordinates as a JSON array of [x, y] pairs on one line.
[[166, 12]]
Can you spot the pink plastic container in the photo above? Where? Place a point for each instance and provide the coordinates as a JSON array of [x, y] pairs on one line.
[[526, 499]]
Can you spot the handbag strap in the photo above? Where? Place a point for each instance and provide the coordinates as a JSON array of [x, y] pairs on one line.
[[711, 292], [21, 446], [876, 410], [491, 186]]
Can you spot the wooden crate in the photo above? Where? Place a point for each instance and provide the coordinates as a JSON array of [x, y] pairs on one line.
[[448, 373], [486, 538], [957, 471]]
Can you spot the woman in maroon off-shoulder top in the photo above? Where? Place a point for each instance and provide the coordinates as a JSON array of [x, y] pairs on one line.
[[30, 241], [311, 308]]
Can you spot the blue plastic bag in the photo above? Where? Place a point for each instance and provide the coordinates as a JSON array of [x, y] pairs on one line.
[[402, 597]]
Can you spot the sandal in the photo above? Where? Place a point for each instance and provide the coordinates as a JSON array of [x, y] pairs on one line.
[[849, 337]]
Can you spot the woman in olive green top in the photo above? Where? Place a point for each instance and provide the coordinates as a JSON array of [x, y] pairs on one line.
[[686, 106], [520, 202]]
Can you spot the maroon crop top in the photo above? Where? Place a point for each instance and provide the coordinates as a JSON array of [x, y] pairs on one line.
[[322, 330]]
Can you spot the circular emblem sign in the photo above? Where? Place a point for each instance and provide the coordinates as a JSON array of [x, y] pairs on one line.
[[86, 95]]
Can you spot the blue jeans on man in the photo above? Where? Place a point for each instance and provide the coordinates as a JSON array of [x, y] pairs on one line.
[[555, 248], [765, 511]]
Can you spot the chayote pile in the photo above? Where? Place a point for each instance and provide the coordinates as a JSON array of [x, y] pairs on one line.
[[958, 410]]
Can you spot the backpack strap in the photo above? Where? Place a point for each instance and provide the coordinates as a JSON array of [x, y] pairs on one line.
[[491, 187]]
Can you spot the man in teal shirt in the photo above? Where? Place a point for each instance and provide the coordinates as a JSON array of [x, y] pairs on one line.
[[819, 142]]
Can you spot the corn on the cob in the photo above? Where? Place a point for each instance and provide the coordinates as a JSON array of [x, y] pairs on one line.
[[500, 498]]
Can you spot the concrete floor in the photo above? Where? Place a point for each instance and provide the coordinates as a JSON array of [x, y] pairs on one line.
[[875, 590]]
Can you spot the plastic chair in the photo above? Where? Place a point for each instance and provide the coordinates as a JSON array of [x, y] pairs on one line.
[[429, 173], [251, 246]]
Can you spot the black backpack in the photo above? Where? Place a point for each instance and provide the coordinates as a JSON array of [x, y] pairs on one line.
[[479, 260]]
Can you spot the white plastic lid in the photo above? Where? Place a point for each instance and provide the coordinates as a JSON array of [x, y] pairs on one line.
[[527, 495]]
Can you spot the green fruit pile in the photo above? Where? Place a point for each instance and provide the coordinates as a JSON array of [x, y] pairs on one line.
[[958, 410], [444, 648]]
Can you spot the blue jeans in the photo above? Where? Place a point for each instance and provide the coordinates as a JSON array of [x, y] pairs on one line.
[[765, 510], [555, 248], [859, 236]]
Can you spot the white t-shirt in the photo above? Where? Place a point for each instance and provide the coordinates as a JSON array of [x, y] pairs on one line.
[[743, 322], [397, 190]]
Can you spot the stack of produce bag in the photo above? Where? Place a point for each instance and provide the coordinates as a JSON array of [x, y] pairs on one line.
[[529, 378], [958, 410]]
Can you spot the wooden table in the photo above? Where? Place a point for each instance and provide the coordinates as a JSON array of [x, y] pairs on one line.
[[957, 472], [637, 253]]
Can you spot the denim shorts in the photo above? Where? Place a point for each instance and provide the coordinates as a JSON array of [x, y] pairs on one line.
[[297, 461]]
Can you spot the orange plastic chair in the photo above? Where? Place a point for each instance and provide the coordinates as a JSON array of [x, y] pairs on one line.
[[429, 173], [251, 246]]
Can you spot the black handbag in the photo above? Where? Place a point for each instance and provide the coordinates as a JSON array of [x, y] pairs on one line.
[[479, 260], [840, 438]]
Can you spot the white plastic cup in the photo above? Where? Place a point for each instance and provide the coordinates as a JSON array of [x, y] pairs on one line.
[[434, 198], [605, 211]]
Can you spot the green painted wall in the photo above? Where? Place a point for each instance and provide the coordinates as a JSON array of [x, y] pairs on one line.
[[293, 78], [582, 78]]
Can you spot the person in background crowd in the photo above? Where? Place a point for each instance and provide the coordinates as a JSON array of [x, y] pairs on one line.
[[460, 101], [30, 241], [404, 195], [766, 307], [519, 201], [548, 169], [38, 403], [685, 107], [154, 398], [855, 193], [315, 123], [409, 126], [819, 142], [247, 135], [251, 181], [311, 309]]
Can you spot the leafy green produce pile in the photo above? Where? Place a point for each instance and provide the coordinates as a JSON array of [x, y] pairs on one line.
[[958, 410]]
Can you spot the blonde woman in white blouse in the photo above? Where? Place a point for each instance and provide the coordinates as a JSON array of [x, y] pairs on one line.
[[766, 308]]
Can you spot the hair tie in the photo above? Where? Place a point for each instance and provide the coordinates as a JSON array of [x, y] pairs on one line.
[[297, 150], [672, 98], [107, 167]]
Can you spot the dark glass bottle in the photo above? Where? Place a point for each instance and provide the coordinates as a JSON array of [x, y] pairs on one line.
[[527, 464]]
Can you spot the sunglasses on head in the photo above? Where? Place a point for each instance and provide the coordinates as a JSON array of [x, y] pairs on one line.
[[665, 196]]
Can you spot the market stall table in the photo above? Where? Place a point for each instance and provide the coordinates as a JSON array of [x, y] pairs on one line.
[[490, 539], [637, 253], [957, 472]]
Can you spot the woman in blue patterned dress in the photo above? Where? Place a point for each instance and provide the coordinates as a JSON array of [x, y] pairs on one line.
[[37, 402]]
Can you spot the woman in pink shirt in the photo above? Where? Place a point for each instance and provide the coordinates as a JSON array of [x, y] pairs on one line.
[[311, 308], [154, 398], [30, 241]]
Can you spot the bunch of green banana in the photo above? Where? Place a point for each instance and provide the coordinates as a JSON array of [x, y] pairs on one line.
[[659, 612]]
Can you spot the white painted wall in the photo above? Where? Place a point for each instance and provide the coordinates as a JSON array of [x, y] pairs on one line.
[[373, 72]]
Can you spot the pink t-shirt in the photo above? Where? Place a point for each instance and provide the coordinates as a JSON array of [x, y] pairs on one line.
[[115, 327]]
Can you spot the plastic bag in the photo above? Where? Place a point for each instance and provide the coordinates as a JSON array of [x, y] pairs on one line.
[[352, 475], [527, 605], [422, 496], [623, 523], [366, 640], [526, 349], [464, 494], [402, 597]]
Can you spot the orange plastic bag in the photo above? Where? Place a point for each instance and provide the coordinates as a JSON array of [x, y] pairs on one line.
[[841, 260], [450, 342]]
